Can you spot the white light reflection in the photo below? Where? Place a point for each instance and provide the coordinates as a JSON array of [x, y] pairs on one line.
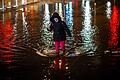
[[47, 11], [69, 15], [108, 10], [83, 3], [56, 6], [23, 3], [88, 30], [15, 25], [69, 18], [9, 5], [16, 3], [46, 36], [25, 29], [3, 7], [60, 10], [35, 0]]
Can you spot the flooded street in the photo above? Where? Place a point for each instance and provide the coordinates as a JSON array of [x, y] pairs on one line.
[[93, 52]]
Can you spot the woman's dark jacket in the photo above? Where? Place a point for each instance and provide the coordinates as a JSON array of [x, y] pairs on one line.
[[59, 28]]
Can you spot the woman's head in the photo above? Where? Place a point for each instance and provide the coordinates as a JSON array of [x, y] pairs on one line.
[[54, 17]]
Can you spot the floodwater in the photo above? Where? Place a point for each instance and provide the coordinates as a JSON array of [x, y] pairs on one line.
[[95, 37]]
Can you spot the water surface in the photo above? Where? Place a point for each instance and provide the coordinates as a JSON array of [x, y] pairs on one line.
[[95, 32]]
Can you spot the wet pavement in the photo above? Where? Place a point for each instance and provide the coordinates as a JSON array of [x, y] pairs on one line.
[[93, 53], [34, 67]]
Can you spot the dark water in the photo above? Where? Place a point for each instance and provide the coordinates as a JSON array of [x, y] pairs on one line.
[[95, 31]]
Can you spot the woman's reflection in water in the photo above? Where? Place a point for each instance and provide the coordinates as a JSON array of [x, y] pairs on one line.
[[59, 68]]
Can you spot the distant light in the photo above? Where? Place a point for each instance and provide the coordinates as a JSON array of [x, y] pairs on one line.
[[60, 10], [16, 3], [32, 6], [83, 2], [9, 5], [67, 67], [88, 31], [21, 9], [22, 2], [46, 8], [56, 6], [69, 15], [14, 6]]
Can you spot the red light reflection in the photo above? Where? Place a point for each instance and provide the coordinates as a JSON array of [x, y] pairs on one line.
[[6, 41], [72, 2], [77, 7], [8, 34], [32, 12], [114, 25], [59, 63], [59, 67], [76, 22]]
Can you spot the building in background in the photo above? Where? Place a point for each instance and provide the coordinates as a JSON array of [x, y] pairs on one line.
[[6, 4]]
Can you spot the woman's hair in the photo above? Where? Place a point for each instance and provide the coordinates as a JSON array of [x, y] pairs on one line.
[[55, 15]]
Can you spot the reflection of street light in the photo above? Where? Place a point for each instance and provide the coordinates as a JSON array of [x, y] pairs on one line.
[[23, 2], [35, 0], [114, 26], [9, 5], [16, 3], [108, 10], [3, 7]]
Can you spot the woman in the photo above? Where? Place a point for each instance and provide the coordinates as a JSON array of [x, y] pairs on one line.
[[59, 29]]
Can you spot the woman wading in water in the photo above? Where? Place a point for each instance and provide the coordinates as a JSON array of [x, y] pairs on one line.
[[59, 29]]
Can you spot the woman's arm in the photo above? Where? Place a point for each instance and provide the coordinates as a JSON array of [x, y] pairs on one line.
[[66, 29], [50, 28]]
